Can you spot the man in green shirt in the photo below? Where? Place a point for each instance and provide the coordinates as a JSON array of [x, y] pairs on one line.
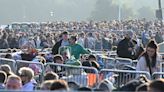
[[77, 49]]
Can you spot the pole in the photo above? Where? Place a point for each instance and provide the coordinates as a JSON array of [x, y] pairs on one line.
[[119, 11], [160, 9]]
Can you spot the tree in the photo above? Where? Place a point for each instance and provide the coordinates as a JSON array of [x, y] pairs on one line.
[[146, 12], [106, 10]]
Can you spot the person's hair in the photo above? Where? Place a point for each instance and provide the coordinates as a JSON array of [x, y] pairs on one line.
[[84, 89], [65, 33], [91, 56], [26, 71], [57, 57], [73, 85], [41, 59], [151, 44], [74, 37], [14, 77], [130, 86], [9, 56], [6, 68], [95, 65], [59, 85], [51, 76], [46, 84], [157, 85], [3, 77], [142, 88], [105, 85]]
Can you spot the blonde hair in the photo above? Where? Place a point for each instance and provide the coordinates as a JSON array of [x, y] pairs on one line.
[[27, 71]]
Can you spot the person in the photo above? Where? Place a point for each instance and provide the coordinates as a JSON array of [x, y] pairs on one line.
[[27, 74], [150, 60], [83, 89], [59, 85], [142, 88], [46, 85], [7, 69], [58, 59], [81, 39], [125, 47], [90, 41], [3, 78], [156, 86], [51, 76], [63, 42], [106, 86], [76, 49], [3, 41], [13, 82], [73, 85]]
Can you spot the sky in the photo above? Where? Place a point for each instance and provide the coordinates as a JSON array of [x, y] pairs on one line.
[[65, 10]]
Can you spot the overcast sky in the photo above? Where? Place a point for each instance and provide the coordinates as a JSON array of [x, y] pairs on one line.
[[67, 10]]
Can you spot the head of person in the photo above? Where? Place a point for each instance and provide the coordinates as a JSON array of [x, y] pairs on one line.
[[46, 85], [73, 40], [87, 89], [59, 85], [51, 76], [3, 77], [81, 34], [13, 82], [106, 86], [156, 86], [92, 57], [128, 35], [9, 56], [26, 74], [6, 68], [151, 52], [151, 48], [142, 88], [65, 35], [58, 59], [73, 85]]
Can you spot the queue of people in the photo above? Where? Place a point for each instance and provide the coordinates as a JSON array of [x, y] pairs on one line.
[[133, 39]]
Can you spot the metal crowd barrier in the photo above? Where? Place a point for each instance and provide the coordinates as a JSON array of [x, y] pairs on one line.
[[157, 75], [125, 61], [134, 63], [162, 67], [109, 63], [121, 77], [37, 67], [84, 76], [9, 62], [2, 55]]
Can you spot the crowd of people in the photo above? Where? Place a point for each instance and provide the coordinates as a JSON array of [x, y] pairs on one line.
[[69, 42]]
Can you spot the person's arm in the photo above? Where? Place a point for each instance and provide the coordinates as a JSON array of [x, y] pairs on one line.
[[141, 64], [83, 50]]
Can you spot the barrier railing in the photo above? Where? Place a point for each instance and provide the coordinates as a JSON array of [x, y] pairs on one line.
[[126, 61], [9, 62], [157, 75], [162, 67], [134, 63], [121, 77], [84, 76], [37, 67], [109, 63]]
